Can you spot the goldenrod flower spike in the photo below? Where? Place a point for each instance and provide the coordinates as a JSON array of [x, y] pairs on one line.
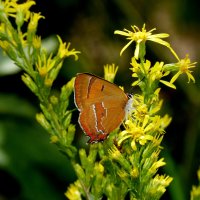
[[139, 36]]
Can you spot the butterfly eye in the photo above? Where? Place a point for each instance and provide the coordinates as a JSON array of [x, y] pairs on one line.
[[130, 96]]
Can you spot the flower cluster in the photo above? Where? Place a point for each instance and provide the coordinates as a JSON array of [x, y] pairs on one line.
[[144, 125], [144, 130], [14, 42], [41, 68], [140, 37]]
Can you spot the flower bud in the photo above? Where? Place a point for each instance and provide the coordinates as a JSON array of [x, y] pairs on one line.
[[19, 19], [30, 83], [42, 120]]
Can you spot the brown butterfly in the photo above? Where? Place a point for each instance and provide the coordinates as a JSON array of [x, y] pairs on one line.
[[102, 105]]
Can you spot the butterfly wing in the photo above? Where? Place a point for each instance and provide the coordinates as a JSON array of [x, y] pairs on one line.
[[101, 105]]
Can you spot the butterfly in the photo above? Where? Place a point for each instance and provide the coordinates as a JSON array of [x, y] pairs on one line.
[[102, 105]]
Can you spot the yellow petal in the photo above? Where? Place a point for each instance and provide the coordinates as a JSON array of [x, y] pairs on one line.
[[175, 76], [190, 77], [160, 35], [133, 145], [169, 84], [135, 83], [126, 46], [137, 50], [122, 33], [134, 75]]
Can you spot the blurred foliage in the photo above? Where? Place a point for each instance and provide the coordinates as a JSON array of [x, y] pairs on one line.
[[28, 162], [89, 25]]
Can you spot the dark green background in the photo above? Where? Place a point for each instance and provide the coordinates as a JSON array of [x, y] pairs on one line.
[[31, 167]]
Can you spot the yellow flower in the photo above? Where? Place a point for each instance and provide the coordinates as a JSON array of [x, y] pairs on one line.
[[8, 7], [11, 8], [43, 121], [138, 132], [123, 174], [141, 109], [99, 168], [138, 69], [152, 73], [5, 33], [44, 64], [4, 45], [160, 182], [114, 153], [134, 172], [24, 8], [37, 42], [73, 192], [184, 66], [140, 37], [64, 51], [156, 165], [54, 139], [48, 82], [195, 192], [165, 121], [34, 18], [22, 37], [110, 72]]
